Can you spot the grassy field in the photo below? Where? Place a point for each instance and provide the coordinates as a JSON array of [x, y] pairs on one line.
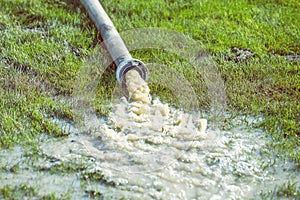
[[44, 44]]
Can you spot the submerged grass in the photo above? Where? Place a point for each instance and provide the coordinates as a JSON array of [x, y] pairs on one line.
[[45, 43], [24, 191]]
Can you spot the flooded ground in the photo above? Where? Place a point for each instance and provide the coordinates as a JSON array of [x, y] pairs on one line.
[[154, 152]]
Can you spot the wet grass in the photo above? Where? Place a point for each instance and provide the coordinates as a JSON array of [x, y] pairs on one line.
[[286, 190], [24, 191], [44, 44]]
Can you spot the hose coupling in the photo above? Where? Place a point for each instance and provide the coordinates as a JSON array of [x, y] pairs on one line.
[[127, 65]]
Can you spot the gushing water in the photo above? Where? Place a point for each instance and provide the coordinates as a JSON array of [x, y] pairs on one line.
[[137, 88]]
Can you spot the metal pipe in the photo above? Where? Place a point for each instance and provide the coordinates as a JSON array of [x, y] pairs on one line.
[[114, 43]]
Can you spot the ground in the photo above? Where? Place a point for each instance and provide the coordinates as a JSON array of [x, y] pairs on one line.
[[255, 46]]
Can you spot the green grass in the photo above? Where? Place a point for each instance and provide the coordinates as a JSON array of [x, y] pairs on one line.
[[24, 191], [44, 45], [288, 189]]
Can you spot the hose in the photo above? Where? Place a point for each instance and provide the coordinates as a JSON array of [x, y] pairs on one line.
[[114, 43]]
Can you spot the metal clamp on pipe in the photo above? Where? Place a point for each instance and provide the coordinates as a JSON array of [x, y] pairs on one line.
[[130, 64]]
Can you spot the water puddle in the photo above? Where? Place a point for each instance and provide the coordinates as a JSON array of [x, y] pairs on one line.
[[148, 150], [20, 169], [160, 153]]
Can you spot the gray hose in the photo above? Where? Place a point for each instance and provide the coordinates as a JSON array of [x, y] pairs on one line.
[[113, 42]]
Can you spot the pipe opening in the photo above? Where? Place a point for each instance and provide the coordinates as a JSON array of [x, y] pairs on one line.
[[127, 65]]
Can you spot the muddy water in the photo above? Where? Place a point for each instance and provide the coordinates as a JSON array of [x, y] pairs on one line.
[[166, 153], [146, 149], [137, 88]]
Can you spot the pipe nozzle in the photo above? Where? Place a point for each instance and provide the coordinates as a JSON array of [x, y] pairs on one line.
[[127, 65]]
